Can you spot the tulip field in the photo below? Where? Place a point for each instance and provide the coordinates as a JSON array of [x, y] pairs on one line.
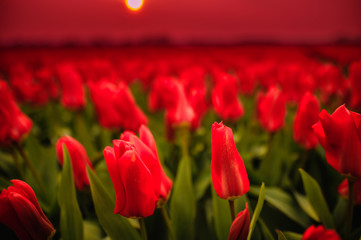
[[180, 143]]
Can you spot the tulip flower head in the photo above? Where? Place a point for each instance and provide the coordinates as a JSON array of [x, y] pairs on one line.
[[340, 136], [132, 181], [14, 124], [225, 100], [73, 92], [307, 115], [320, 233], [271, 109], [79, 159], [240, 226], [103, 94], [147, 153], [132, 115], [229, 174], [20, 211]]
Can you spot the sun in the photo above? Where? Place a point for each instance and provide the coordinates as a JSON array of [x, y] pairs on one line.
[[134, 5]]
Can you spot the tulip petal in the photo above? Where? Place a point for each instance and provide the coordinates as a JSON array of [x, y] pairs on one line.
[[147, 138], [240, 226], [25, 190], [113, 169], [9, 218], [30, 218], [138, 185]]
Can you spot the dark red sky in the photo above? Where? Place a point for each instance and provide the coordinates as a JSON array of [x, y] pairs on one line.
[[181, 21]]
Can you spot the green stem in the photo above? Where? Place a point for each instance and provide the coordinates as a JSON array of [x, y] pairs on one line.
[[30, 165], [349, 207], [143, 231], [233, 210], [184, 134], [168, 222], [303, 159], [17, 163], [267, 164]]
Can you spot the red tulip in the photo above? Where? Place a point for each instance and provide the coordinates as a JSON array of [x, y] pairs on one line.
[[181, 113], [197, 100], [307, 115], [343, 190], [104, 96], [271, 109], [73, 93], [46, 79], [14, 125], [132, 180], [247, 78], [21, 212], [330, 81], [229, 174], [320, 233], [355, 77], [340, 136], [240, 226], [164, 94], [132, 115], [79, 160], [25, 87], [225, 100], [161, 183]]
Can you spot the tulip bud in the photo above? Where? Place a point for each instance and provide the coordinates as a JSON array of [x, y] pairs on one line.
[[20, 211], [197, 99], [104, 95], [132, 181], [224, 98], [79, 160], [343, 190], [340, 136], [271, 109], [13, 123], [240, 226], [73, 93], [229, 174], [307, 115], [132, 115], [320, 233]]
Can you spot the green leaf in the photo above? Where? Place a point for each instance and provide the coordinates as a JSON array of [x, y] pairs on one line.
[[257, 211], [285, 203], [281, 236], [266, 232], [92, 231], [222, 216], [116, 226], [339, 210], [306, 206], [4, 183], [45, 160], [71, 221], [316, 199], [292, 236], [183, 203], [202, 182], [84, 135]]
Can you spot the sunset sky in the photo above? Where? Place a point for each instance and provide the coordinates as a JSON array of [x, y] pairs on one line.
[[180, 21]]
